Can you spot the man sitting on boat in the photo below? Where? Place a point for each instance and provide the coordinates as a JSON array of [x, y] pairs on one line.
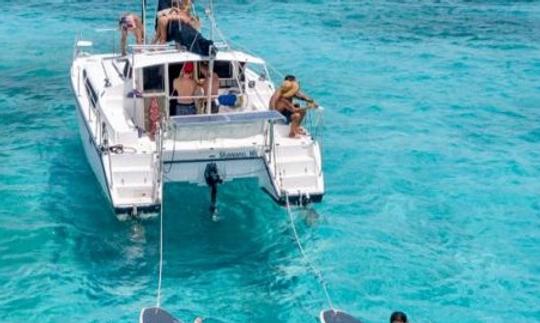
[[130, 23], [282, 101], [181, 27], [186, 88]]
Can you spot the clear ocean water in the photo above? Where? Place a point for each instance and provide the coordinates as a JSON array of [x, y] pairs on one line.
[[432, 163]]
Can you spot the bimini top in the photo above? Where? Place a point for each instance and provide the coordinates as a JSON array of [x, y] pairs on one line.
[[151, 58]]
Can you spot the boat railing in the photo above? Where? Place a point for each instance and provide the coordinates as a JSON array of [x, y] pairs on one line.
[[314, 122], [155, 48], [195, 97]]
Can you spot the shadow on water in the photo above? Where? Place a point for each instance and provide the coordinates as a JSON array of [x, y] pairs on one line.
[[240, 259]]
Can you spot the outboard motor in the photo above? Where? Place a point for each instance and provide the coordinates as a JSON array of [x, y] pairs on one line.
[[212, 177]]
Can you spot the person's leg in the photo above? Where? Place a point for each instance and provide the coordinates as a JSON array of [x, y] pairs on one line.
[[302, 114], [161, 34], [295, 125]]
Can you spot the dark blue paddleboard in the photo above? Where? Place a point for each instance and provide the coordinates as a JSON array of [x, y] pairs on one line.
[[156, 315], [335, 316]]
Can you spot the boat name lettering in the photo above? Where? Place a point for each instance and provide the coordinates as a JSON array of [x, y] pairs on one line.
[[237, 154]]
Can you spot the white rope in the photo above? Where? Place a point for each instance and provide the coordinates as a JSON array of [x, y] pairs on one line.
[[160, 271], [160, 274], [316, 271]]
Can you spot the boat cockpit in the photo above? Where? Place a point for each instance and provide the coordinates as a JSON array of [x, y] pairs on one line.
[[150, 93]]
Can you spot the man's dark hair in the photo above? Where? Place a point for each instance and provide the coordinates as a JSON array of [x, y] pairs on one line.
[[398, 316], [291, 78]]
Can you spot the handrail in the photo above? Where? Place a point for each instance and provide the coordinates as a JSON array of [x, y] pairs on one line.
[[198, 97], [315, 125]]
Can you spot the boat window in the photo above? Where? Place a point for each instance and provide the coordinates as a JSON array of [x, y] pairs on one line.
[[92, 95], [223, 69], [260, 71], [153, 80], [127, 70]]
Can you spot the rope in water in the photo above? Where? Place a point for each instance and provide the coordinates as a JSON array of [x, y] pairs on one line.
[[160, 271], [314, 269], [160, 274]]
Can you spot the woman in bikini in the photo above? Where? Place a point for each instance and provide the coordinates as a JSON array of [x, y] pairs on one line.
[[130, 23]]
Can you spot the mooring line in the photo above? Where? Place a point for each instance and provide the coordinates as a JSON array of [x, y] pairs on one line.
[[310, 264]]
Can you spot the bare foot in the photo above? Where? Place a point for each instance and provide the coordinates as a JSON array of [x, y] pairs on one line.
[[295, 135]]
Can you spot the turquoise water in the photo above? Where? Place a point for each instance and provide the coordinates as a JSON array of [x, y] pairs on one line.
[[432, 164]]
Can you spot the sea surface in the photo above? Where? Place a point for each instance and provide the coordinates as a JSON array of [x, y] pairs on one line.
[[431, 159]]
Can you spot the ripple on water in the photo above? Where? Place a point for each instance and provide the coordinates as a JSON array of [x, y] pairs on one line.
[[431, 165]]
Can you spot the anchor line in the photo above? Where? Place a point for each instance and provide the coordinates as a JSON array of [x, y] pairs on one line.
[[173, 153], [310, 264], [160, 270]]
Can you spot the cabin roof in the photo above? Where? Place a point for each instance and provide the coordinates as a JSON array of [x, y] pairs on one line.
[[149, 58]]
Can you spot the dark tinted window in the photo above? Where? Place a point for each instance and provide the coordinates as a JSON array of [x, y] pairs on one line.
[[153, 78], [223, 69]]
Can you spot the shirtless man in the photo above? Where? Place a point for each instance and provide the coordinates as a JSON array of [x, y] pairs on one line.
[[177, 12], [282, 101], [205, 85], [130, 23], [186, 88]]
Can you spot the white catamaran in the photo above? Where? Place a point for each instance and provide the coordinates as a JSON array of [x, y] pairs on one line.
[[134, 144]]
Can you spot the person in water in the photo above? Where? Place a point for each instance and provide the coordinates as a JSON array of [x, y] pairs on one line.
[[186, 88], [130, 23], [208, 81], [282, 101], [180, 12], [398, 317]]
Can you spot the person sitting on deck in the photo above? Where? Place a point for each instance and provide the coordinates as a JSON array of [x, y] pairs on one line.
[[282, 101], [130, 22], [181, 28], [210, 84], [178, 12], [185, 87]]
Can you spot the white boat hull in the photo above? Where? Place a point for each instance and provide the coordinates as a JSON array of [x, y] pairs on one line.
[[131, 165]]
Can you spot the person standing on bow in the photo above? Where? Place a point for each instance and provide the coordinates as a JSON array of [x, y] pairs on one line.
[[130, 23], [282, 101]]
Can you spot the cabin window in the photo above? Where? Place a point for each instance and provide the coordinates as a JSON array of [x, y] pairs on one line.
[[153, 80], [223, 69], [92, 95], [127, 70]]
